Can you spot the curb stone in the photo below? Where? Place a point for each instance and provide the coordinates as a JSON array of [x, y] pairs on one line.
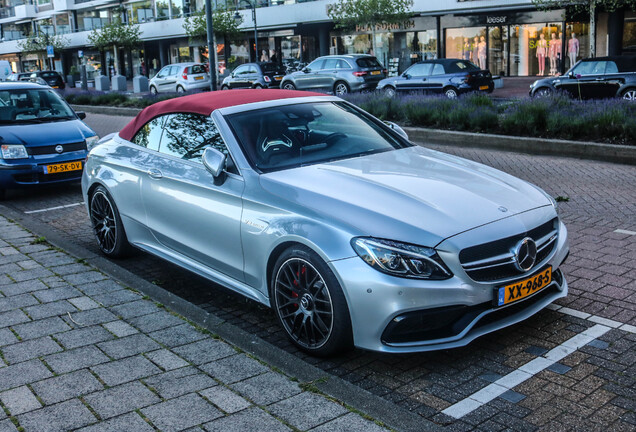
[[361, 400]]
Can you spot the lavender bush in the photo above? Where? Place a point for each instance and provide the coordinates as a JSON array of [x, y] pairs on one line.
[[608, 121]]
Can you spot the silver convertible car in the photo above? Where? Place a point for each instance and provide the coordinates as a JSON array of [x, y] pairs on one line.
[[306, 203]]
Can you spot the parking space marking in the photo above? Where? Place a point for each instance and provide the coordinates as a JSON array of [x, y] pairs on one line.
[[622, 231], [593, 318], [54, 208], [525, 372]]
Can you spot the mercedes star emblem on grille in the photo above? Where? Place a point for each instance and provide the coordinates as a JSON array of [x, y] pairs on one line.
[[59, 148], [525, 254]]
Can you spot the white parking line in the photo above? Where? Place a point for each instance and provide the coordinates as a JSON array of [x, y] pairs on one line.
[[525, 372], [622, 231], [593, 318], [54, 208]]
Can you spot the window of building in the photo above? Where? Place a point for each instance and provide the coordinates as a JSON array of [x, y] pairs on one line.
[[141, 12], [629, 32], [62, 24]]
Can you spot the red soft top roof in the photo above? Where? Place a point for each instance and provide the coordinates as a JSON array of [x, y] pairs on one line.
[[205, 103]]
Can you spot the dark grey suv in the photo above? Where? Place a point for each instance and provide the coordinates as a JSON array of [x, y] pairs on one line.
[[339, 74]]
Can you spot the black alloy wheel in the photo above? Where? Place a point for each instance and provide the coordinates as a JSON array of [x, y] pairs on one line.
[[309, 303], [107, 226]]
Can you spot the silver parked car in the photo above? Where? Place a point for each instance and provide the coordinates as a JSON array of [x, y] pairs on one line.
[[339, 74], [307, 204], [180, 78]]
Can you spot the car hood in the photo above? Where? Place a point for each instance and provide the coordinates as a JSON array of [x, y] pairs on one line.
[[413, 195], [42, 134]]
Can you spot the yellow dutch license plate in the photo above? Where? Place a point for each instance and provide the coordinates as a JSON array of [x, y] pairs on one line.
[[522, 289], [198, 78], [63, 167], [483, 87], [278, 78], [375, 73]]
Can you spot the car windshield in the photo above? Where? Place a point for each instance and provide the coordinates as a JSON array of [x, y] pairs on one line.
[[292, 136], [32, 106]]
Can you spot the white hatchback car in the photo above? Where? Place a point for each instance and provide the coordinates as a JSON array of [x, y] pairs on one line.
[[180, 78]]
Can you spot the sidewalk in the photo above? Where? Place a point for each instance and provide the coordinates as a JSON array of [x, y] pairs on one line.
[[79, 351]]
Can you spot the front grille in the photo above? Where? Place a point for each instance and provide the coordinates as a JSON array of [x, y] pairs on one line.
[[495, 260], [50, 149]]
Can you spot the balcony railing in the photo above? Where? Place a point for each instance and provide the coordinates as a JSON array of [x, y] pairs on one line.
[[7, 12]]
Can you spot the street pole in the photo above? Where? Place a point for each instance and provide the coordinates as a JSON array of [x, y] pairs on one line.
[[211, 47], [255, 31]]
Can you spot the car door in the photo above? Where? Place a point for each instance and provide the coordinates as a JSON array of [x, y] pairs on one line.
[[186, 210], [253, 75], [611, 80], [309, 76], [582, 81], [414, 78], [169, 82], [161, 77], [436, 80], [328, 74], [239, 77]]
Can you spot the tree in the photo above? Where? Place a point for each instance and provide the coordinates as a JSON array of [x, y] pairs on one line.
[[373, 14], [587, 7], [223, 22], [116, 34], [37, 45]]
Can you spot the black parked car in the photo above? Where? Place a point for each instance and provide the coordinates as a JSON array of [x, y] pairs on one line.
[[254, 75], [450, 77], [594, 78], [52, 78]]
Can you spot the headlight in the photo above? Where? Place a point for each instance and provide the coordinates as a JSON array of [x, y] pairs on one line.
[[91, 142], [11, 151], [401, 259]]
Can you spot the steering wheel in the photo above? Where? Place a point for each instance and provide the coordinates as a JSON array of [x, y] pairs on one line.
[[333, 137]]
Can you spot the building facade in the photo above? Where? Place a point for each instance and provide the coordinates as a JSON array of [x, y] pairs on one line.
[[510, 37]]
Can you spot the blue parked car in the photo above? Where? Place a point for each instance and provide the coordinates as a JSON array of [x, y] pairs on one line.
[[450, 77], [42, 140]]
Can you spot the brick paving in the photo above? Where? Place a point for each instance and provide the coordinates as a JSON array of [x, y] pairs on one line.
[[590, 389], [127, 364]]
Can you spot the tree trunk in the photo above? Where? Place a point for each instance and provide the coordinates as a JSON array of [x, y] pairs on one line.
[[592, 28], [115, 61], [373, 46]]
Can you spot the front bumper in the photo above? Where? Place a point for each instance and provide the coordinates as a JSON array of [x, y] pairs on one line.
[[376, 301], [20, 173]]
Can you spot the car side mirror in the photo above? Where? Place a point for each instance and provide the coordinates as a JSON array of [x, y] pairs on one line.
[[406, 76], [81, 115], [571, 75], [306, 70], [214, 161], [397, 129]]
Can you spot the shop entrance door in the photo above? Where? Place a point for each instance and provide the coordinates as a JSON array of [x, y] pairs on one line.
[[498, 50]]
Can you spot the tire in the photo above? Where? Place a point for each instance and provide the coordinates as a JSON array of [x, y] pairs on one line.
[[288, 86], [341, 88], [629, 94], [153, 90], [107, 227], [224, 87], [319, 322], [180, 89], [542, 92], [451, 93], [258, 87], [3, 194], [389, 91]]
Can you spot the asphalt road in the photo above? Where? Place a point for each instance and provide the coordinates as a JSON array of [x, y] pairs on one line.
[[592, 388]]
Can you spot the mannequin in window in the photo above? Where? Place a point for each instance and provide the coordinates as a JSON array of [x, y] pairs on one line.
[[466, 49], [475, 52], [542, 51], [482, 53], [554, 53], [573, 49]]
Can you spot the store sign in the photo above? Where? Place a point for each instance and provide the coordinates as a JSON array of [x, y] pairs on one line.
[[496, 19], [386, 26]]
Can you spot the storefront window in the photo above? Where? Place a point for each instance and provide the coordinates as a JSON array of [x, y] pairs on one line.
[[62, 24], [577, 43], [141, 12], [498, 50], [290, 47], [629, 33], [536, 49], [468, 43], [421, 45]]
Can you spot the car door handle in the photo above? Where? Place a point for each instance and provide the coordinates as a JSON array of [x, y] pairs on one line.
[[599, 79], [155, 173]]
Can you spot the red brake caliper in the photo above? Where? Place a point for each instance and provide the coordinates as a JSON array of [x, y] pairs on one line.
[[294, 293]]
